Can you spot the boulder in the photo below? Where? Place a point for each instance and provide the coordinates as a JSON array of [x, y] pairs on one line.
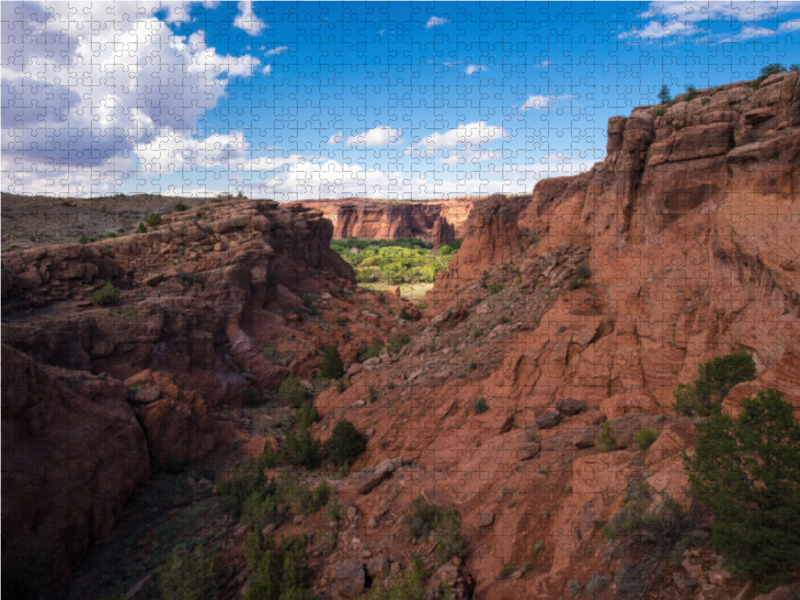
[[584, 438], [378, 566], [528, 451], [719, 577], [348, 578], [549, 419], [570, 406], [486, 519], [370, 481]]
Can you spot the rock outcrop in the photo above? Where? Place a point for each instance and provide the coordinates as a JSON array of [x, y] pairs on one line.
[[73, 453]]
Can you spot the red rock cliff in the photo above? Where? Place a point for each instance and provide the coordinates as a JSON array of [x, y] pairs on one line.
[[440, 221], [691, 223]]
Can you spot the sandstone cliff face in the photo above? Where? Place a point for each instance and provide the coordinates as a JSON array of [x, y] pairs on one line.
[[691, 222], [439, 221], [73, 453]]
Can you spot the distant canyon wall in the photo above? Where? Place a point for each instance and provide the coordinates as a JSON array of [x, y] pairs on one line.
[[439, 221]]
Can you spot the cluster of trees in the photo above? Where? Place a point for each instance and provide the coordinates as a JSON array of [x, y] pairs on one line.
[[405, 260], [664, 94]]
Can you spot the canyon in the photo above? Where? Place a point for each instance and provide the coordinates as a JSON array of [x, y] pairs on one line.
[[584, 303], [438, 221]]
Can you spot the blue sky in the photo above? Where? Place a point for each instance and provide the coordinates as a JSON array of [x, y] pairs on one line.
[[316, 100]]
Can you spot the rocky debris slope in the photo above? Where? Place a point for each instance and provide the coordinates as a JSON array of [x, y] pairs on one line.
[[439, 221]]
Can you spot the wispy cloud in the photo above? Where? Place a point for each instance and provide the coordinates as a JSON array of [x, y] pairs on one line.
[[474, 69], [539, 102], [278, 50], [434, 21], [654, 31]]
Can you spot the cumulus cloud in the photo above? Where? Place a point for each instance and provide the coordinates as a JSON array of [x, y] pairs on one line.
[[376, 137], [434, 21], [267, 69], [246, 19], [336, 138], [474, 69], [95, 113]]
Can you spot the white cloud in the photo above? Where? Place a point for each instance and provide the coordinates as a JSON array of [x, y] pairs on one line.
[[278, 50], [246, 19], [434, 21], [376, 137], [98, 87], [336, 138], [793, 25], [267, 69], [655, 30], [471, 135], [469, 156], [329, 179], [701, 10], [474, 69], [540, 102]]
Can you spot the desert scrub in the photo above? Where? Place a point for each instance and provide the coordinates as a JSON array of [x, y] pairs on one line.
[[397, 342], [190, 576], [508, 569], [366, 352], [422, 519], [495, 289], [153, 219], [180, 207], [646, 437], [605, 440], [449, 539], [480, 406], [106, 295]]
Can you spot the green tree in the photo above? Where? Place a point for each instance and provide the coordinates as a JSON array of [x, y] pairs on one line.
[[716, 379], [748, 473], [307, 415], [664, 95], [282, 572], [450, 541], [301, 450], [190, 576], [292, 391], [153, 219], [141, 229], [345, 444], [332, 366]]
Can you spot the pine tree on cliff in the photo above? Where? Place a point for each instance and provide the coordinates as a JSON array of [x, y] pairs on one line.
[[332, 366], [748, 473]]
